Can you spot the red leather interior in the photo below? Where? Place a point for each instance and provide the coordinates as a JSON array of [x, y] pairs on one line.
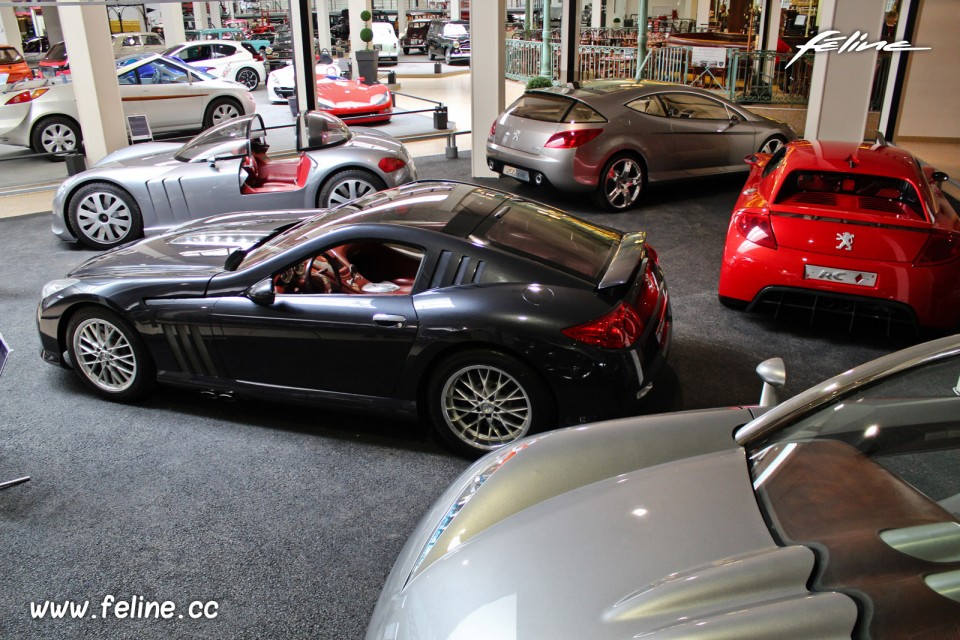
[[363, 263], [271, 177]]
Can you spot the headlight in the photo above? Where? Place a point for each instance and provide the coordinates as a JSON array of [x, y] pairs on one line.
[[56, 286], [380, 99]]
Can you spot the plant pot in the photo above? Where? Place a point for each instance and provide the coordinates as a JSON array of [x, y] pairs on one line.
[[367, 65]]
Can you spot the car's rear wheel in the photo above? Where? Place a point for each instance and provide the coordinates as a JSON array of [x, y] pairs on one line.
[[108, 355], [221, 110], [103, 215], [348, 185], [772, 144], [249, 78], [621, 183], [481, 400], [406, 51], [56, 134]]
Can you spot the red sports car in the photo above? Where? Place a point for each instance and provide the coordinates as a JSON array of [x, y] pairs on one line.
[[354, 101], [853, 231]]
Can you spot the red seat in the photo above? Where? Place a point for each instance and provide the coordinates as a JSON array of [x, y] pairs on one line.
[[271, 177]]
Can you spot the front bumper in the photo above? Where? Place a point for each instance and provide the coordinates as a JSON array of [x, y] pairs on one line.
[[59, 225]]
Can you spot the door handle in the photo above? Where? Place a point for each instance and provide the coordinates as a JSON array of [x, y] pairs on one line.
[[389, 320]]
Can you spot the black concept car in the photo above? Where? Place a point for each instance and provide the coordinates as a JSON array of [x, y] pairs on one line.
[[491, 315]]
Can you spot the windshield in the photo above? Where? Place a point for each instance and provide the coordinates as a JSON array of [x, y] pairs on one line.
[[228, 139], [871, 483], [454, 30]]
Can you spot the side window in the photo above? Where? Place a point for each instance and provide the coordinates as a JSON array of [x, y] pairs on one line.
[[649, 105], [688, 105], [371, 267], [223, 50], [169, 74], [153, 41], [580, 112], [130, 77]]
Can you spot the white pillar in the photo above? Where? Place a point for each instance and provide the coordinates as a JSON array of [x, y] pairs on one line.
[[841, 83], [172, 16], [486, 80], [10, 29], [214, 10], [570, 41], [401, 18], [356, 7], [323, 24], [87, 34], [455, 11], [703, 13], [768, 40], [200, 15], [51, 21], [596, 14]]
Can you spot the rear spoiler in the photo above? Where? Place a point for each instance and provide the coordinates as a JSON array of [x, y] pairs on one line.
[[625, 260]]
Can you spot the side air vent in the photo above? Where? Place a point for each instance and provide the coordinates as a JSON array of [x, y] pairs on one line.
[[189, 350], [880, 204]]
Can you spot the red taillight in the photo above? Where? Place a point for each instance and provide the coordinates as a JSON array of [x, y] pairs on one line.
[[650, 294], [942, 246], [258, 57], [617, 329], [755, 227], [493, 129], [572, 139], [26, 96], [389, 164]]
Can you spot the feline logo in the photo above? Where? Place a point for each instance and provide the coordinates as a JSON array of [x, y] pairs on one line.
[[846, 241], [831, 40]]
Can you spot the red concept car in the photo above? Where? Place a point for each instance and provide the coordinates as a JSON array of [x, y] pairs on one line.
[[856, 232], [351, 99]]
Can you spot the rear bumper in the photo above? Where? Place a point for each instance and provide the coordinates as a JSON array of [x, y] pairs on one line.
[[557, 168], [15, 124]]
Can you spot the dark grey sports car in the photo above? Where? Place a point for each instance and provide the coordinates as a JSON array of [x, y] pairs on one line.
[[493, 315]]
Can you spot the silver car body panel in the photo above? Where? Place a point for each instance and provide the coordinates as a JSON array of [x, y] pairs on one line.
[[593, 498], [170, 192]]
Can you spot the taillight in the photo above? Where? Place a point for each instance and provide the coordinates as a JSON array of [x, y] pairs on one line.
[[755, 227], [572, 139], [389, 164], [942, 246], [26, 96], [493, 129], [650, 294], [617, 329], [258, 57]]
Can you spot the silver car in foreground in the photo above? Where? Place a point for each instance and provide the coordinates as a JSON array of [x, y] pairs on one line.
[[613, 136], [833, 515]]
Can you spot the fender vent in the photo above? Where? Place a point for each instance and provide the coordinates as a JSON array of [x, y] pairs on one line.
[[189, 350]]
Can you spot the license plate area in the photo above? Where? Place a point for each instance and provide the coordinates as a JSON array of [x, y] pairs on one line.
[[845, 276], [514, 172]]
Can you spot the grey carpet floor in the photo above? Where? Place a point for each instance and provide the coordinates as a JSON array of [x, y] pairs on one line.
[[289, 518]]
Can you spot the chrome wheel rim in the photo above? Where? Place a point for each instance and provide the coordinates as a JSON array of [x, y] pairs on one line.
[[348, 190], [248, 78], [223, 112], [104, 217], [58, 138], [771, 146], [105, 355], [622, 182], [486, 407]]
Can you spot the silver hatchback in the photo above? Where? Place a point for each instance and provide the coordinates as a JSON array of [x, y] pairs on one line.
[[613, 136]]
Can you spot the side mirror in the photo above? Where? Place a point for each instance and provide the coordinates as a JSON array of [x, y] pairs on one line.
[[753, 158], [939, 177], [263, 292], [774, 375]]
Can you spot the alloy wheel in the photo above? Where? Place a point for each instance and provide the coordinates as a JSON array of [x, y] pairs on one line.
[[224, 111], [58, 138], [248, 78], [348, 190], [104, 217], [771, 146], [621, 183], [486, 407], [105, 355]]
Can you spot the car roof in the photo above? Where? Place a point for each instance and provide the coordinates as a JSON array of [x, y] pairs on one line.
[[615, 91], [867, 158]]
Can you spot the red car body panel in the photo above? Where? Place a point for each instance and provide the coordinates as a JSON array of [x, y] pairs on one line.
[[852, 236], [351, 100]]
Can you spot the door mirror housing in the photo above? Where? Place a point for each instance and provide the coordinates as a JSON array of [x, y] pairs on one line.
[[774, 376], [263, 292], [939, 177]]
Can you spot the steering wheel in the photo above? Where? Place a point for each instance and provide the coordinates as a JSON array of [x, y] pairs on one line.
[[328, 276]]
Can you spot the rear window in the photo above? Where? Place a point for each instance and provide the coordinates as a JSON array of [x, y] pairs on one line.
[[546, 107], [850, 191], [9, 56], [551, 236], [57, 52]]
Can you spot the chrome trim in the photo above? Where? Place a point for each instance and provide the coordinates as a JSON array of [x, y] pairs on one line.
[[846, 383]]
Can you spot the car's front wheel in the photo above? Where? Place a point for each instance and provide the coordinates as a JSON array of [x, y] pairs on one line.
[[621, 183], [772, 144], [406, 51], [56, 135], [109, 355], [249, 78], [103, 215], [479, 401], [348, 185], [221, 110]]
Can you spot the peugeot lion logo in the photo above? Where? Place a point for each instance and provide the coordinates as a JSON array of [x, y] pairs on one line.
[[846, 241]]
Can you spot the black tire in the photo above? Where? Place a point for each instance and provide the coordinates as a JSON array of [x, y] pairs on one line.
[[249, 78], [109, 356], [102, 215], [430, 54], [472, 422], [56, 134], [620, 183], [406, 51], [772, 144], [347, 185], [220, 110]]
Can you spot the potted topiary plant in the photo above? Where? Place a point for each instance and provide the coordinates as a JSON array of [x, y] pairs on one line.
[[539, 82], [367, 58]]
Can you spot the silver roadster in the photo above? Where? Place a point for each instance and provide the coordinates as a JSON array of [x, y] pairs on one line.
[[148, 188], [833, 515]]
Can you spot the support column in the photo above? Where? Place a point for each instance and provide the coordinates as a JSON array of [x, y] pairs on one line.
[[703, 14], [454, 9], [570, 41], [173, 30], [304, 65], [200, 15], [323, 24], [546, 64], [87, 34], [769, 31], [528, 15], [357, 7], [51, 22], [486, 80], [213, 8], [841, 82], [401, 17], [10, 29]]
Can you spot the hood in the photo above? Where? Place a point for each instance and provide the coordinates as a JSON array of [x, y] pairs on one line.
[[675, 548], [150, 154], [197, 249]]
